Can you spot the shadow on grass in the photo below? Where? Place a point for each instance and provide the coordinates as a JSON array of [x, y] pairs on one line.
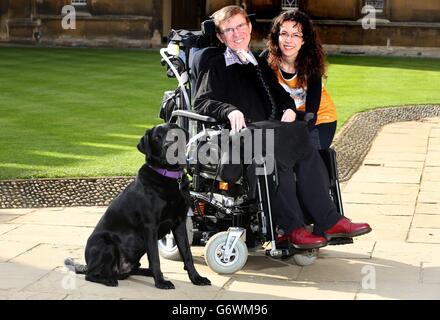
[[71, 112], [97, 156]]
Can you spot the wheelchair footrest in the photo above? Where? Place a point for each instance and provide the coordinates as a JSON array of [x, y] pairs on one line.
[[340, 241], [284, 250]]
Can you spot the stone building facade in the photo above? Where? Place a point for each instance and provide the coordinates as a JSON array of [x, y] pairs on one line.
[[145, 23], [128, 23]]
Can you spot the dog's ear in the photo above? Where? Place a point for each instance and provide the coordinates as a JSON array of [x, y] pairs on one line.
[[144, 144]]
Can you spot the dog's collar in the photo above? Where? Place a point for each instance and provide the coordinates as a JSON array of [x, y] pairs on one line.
[[167, 173]]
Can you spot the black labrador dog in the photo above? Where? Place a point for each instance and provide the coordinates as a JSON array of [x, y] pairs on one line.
[[156, 202]]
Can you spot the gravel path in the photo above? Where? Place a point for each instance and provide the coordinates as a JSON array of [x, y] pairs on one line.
[[351, 144]]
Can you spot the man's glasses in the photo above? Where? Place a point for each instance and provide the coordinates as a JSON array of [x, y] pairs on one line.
[[238, 28], [286, 35]]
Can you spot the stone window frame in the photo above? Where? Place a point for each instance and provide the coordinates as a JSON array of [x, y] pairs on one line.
[[81, 6], [290, 4], [79, 3], [382, 5]]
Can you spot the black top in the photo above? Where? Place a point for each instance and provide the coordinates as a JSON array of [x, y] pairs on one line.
[[314, 91], [222, 90]]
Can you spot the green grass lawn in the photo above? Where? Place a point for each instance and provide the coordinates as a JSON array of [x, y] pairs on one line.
[[361, 83], [81, 112], [76, 112]]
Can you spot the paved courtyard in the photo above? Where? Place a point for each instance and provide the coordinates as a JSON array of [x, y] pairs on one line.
[[396, 190]]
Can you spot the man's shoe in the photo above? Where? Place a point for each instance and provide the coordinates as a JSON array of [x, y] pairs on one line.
[[303, 239], [344, 228], [281, 238]]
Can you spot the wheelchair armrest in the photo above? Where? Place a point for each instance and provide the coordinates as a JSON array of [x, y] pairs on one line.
[[192, 115]]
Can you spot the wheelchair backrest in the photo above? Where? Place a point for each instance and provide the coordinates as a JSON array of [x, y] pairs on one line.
[[199, 63]]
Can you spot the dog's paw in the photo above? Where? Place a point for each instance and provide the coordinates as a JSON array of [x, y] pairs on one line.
[[200, 281], [110, 282], [164, 285]]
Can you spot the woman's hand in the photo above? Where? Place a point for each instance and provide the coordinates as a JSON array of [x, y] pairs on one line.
[[288, 116], [236, 118]]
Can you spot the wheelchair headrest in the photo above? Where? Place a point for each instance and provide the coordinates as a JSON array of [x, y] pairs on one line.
[[206, 37], [188, 39], [208, 28]]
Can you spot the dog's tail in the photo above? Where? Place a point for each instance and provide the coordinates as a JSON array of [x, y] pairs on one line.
[[76, 267]]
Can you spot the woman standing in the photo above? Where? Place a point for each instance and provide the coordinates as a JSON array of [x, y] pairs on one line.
[[296, 56]]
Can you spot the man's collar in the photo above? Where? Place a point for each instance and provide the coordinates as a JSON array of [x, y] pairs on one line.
[[232, 58]]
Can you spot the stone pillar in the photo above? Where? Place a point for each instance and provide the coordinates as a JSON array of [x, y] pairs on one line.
[[82, 8], [166, 17], [4, 20]]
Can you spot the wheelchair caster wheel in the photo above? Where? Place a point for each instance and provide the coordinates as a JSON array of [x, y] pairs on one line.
[[215, 254], [306, 258], [168, 247]]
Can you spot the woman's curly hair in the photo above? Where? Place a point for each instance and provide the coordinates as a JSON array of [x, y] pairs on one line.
[[310, 61]]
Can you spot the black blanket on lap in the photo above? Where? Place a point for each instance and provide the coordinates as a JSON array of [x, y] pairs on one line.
[[291, 143]]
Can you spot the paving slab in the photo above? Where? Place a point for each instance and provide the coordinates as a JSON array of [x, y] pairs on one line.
[[361, 249], [408, 253], [11, 249], [429, 196], [395, 190], [7, 218], [392, 290], [260, 265], [382, 157], [379, 198], [431, 174], [63, 235], [388, 175], [432, 158], [62, 281], [392, 189], [83, 217], [15, 276], [337, 270], [252, 288], [430, 272], [26, 295], [364, 210], [7, 227], [48, 256], [424, 235], [18, 212], [426, 221], [428, 208]]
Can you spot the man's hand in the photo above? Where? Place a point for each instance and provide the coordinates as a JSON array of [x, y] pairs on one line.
[[236, 118], [288, 116]]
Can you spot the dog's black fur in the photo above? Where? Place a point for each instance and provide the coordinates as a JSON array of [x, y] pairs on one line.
[[144, 212]]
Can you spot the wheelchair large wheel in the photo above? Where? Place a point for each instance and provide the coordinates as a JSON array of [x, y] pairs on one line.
[[168, 247], [306, 258], [214, 254]]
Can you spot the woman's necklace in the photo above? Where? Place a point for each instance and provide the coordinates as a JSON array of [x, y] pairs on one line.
[[287, 67], [287, 73]]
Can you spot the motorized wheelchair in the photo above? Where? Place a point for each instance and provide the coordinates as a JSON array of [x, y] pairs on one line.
[[225, 216]]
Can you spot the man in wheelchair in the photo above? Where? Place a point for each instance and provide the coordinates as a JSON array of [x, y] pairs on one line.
[[240, 89]]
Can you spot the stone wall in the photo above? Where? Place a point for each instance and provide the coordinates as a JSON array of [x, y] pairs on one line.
[[410, 10], [410, 34], [99, 31], [129, 23], [404, 23], [143, 23]]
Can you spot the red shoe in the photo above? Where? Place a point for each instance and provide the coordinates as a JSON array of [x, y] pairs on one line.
[[302, 239], [344, 228], [281, 238]]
